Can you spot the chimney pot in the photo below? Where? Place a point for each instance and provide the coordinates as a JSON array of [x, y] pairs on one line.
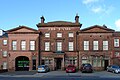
[[76, 18], [42, 19]]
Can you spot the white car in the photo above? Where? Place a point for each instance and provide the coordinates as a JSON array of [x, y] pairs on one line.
[[113, 68], [43, 68]]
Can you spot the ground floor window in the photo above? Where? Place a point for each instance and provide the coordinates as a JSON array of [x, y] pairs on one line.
[[86, 60], [47, 61], [98, 61], [71, 60], [95, 61], [4, 65]]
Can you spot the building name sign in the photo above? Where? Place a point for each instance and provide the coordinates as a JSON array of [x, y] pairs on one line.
[[52, 29], [57, 28]]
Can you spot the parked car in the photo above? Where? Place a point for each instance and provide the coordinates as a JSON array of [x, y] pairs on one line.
[[86, 67], [70, 68], [113, 68], [43, 68]]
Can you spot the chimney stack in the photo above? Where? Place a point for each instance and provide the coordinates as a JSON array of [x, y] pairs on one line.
[[76, 18], [42, 19]]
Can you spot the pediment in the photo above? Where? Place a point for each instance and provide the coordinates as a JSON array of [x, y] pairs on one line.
[[97, 28], [22, 29]]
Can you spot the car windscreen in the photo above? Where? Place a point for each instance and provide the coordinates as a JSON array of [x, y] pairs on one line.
[[41, 66], [87, 65], [115, 66], [70, 66]]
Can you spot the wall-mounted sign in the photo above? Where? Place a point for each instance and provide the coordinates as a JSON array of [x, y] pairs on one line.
[[59, 29]]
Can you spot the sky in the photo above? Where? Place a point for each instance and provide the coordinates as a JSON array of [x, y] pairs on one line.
[[14, 13]]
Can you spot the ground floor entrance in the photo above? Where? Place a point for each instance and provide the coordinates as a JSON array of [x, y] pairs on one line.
[[58, 62], [22, 63], [106, 63]]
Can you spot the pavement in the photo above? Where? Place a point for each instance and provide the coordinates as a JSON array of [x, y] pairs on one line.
[[101, 74]]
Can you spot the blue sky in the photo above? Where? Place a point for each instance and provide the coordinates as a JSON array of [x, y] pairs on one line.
[[28, 12]]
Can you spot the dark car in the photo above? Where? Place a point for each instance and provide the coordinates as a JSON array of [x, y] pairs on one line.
[[43, 68], [113, 68], [70, 68], [86, 68]]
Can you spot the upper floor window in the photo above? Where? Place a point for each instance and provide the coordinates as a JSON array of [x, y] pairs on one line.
[[4, 53], [59, 34], [23, 45], [70, 46], [95, 45], [32, 45], [47, 34], [105, 45], [117, 54], [47, 46], [70, 34], [14, 45], [5, 42], [86, 45], [116, 42], [59, 46]]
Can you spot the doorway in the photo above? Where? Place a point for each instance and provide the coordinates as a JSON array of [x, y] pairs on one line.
[[34, 64], [58, 63], [106, 64], [22, 63]]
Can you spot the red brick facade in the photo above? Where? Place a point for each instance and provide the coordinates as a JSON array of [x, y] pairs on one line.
[[59, 44], [19, 34], [3, 51]]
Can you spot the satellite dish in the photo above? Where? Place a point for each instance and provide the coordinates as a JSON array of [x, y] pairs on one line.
[[1, 32]]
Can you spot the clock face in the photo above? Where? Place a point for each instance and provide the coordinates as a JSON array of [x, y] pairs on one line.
[[1, 32]]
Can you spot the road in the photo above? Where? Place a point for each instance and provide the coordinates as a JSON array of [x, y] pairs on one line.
[[57, 78], [58, 75]]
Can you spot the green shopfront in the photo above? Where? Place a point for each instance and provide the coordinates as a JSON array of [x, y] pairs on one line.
[[22, 63]]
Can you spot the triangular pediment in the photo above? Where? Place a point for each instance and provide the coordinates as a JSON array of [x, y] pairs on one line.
[[22, 29], [97, 28]]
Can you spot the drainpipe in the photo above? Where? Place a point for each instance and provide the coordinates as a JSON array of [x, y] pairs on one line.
[[77, 48], [39, 50]]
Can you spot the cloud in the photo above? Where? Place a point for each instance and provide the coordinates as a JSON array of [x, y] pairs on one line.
[[109, 9], [117, 23], [89, 1], [98, 6], [97, 9]]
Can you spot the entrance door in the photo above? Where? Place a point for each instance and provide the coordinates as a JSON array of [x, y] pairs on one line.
[[22, 63], [106, 64], [34, 64], [58, 63]]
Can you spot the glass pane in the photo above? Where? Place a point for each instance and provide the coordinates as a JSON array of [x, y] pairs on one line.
[[70, 34]]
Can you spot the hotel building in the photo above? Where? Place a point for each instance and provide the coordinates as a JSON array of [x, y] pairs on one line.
[[58, 44]]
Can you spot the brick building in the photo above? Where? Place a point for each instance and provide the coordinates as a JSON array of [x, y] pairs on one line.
[[58, 44], [58, 41], [95, 46], [23, 48], [3, 50]]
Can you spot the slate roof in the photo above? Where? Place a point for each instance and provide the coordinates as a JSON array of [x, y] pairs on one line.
[[4, 34], [59, 24]]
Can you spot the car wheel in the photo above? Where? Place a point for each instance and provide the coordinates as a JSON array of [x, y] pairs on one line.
[[91, 71], [82, 71], [107, 70], [113, 71]]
